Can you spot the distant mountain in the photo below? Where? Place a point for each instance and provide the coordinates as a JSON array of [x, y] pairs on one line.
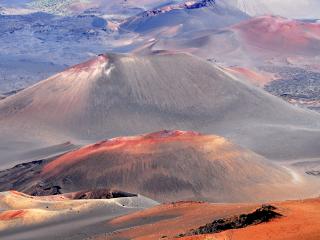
[[285, 8], [253, 8], [187, 17], [290, 37], [180, 6], [71, 7]]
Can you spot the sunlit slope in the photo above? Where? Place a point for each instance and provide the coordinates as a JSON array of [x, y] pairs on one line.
[[165, 166], [114, 95]]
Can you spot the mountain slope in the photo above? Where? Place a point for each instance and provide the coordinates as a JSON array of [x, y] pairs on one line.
[[258, 41], [187, 16], [165, 166], [285, 8], [56, 217], [116, 95], [253, 8]]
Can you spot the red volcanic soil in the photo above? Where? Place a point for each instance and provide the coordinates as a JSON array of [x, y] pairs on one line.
[[171, 219], [257, 78], [86, 66], [300, 220], [11, 215], [117, 144], [281, 34]]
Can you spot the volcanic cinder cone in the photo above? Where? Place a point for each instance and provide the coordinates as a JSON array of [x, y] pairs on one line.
[[120, 95], [165, 166]]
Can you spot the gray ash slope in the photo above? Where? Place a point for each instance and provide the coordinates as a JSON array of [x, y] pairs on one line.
[[121, 95]]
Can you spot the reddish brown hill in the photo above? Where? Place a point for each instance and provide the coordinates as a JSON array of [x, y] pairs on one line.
[[165, 166], [281, 34]]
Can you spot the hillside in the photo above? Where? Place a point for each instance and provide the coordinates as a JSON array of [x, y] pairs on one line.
[[165, 166], [116, 95], [186, 16], [28, 217], [298, 220], [286, 8]]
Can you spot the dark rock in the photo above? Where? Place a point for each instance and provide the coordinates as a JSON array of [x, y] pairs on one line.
[[101, 194], [313, 173]]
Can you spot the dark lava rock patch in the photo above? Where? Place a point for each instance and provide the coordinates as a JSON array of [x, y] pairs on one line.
[[25, 178], [313, 173], [20, 176], [44, 189], [261, 215], [100, 194]]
